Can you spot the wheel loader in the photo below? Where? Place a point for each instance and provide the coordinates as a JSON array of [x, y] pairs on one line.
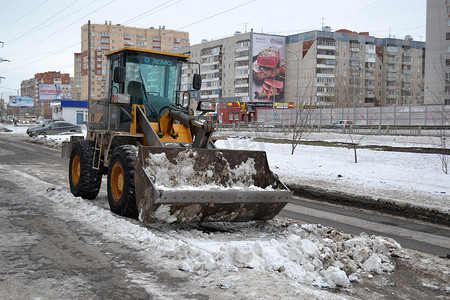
[[159, 156]]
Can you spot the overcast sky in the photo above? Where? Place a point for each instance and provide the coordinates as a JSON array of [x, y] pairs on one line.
[[42, 35]]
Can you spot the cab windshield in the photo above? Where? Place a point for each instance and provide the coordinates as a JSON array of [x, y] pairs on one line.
[[152, 81]]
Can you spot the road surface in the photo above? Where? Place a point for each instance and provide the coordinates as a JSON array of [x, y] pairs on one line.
[[45, 255]]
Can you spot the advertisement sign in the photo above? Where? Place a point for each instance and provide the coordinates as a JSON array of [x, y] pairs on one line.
[[269, 68], [19, 101], [52, 92]]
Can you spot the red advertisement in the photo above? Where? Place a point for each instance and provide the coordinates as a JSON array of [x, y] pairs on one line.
[[268, 68]]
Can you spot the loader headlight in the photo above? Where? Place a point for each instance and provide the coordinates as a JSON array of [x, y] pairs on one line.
[[206, 106]]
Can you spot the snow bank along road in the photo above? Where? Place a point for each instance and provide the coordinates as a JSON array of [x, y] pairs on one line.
[[57, 246]]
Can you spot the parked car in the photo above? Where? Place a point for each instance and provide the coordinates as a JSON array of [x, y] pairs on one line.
[[342, 123], [54, 128], [41, 124], [259, 124]]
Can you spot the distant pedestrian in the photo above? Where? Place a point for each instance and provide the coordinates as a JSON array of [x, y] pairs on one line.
[[15, 121]]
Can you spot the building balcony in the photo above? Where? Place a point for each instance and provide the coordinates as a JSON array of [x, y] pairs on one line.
[[325, 66], [242, 58], [391, 96], [240, 49], [240, 85], [370, 87], [212, 72], [392, 49], [391, 87], [325, 94], [241, 76], [210, 79], [326, 47], [406, 71], [370, 76], [212, 63], [210, 88], [325, 84], [322, 75], [326, 56], [370, 96], [354, 49], [241, 94], [244, 67]]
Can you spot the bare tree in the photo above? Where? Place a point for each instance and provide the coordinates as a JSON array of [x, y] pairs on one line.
[[440, 97], [304, 101]]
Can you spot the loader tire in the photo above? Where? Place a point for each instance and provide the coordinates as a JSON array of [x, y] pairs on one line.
[[121, 191], [85, 181]]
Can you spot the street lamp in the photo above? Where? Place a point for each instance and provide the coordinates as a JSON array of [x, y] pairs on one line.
[[298, 61]]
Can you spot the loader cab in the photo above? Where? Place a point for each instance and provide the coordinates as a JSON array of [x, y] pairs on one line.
[[150, 78]]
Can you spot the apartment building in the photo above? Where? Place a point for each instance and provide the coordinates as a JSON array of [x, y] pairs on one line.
[[350, 69], [437, 62], [224, 66], [316, 69], [30, 88], [107, 37], [242, 70]]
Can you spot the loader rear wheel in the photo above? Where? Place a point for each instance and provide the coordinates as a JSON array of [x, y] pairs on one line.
[[121, 195], [84, 180]]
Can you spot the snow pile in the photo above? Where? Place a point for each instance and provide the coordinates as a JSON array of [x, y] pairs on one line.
[[187, 172], [310, 254], [3, 128]]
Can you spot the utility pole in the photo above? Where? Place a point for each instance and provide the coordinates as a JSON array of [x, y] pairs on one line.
[[89, 70]]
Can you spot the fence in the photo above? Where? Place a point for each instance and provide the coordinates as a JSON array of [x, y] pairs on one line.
[[390, 116]]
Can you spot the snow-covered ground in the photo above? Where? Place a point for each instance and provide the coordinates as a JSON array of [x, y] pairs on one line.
[[400, 177], [306, 255]]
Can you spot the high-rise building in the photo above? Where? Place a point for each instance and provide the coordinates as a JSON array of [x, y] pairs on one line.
[[105, 38], [316, 68], [350, 69], [437, 62]]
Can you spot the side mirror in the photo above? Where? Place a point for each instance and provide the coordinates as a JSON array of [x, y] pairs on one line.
[[120, 74], [197, 82]]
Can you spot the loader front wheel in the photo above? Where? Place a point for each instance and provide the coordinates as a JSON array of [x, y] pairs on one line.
[[121, 195], [85, 181]]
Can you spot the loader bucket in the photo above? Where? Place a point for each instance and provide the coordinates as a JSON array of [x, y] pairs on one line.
[[206, 185]]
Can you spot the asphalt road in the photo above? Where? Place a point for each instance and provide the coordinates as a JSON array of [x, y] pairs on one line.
[[410, 233], [45, 256]]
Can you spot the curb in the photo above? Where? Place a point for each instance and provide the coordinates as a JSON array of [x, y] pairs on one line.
[[381, 205]]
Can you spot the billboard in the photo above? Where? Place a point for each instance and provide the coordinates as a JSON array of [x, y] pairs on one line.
[[19, 101], [52, 92], [269, 68]]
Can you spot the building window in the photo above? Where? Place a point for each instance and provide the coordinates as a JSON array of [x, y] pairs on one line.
[[447, 36]]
